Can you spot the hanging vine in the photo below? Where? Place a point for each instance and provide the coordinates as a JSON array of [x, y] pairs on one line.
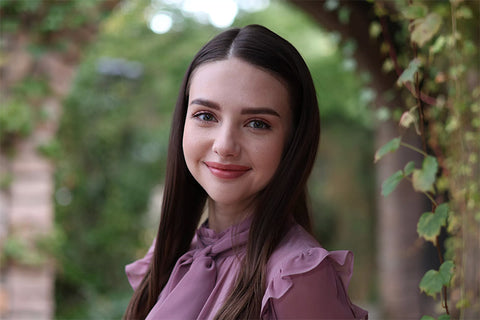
[[441, 76]]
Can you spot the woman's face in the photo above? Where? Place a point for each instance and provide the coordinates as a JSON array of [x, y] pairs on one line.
[[237, 123]]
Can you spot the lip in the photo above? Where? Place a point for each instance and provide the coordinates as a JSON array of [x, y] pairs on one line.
[[226, 171]]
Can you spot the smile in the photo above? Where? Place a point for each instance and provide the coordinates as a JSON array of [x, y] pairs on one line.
[[226, 171]]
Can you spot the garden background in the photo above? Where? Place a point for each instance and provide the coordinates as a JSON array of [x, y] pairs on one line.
[[87, 93]]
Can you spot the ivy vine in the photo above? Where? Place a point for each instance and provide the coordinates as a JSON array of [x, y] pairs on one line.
[[444, 110]]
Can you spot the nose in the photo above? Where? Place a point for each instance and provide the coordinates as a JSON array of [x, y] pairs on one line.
[[226, 143]]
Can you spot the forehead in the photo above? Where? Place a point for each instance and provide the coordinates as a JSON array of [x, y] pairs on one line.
[[234, 80]]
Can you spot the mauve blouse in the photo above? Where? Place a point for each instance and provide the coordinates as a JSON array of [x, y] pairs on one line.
[[304, 281]]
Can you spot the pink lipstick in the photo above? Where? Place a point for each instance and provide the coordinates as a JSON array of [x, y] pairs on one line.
[[226, 171]]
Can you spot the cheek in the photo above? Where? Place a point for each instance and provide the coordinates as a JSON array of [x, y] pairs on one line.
[[194, 143], [274, 158], [187, 143], [269, 155]]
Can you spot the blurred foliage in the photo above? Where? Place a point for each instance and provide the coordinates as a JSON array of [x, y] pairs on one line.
[[46, 26], [113, 140], [15, 120], [42, 249], [48, 16], [21, 110], [436, 46]]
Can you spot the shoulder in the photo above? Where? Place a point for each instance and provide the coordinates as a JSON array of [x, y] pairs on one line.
[[137, 270], [299, 253], [304, 280]]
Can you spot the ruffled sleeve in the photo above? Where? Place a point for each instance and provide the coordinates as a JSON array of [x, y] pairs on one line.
[[310, 284], [136, 270]]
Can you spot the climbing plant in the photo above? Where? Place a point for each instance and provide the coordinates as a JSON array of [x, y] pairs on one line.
[[41, 43], [439, 74], [30, 31]]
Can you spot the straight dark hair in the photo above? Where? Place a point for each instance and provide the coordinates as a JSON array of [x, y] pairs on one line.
[[284, 198]]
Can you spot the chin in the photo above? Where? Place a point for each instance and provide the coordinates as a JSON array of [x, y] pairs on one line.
[[232, 201]]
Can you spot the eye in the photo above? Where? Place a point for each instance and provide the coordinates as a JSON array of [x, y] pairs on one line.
[[205, 116], [258, 124]]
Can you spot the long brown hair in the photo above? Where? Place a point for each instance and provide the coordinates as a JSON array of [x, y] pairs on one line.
[[282, 199]]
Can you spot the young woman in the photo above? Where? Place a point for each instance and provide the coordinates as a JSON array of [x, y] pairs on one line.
[[243, 142]]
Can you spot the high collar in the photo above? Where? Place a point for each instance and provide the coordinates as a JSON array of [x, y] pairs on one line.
[[222, 242]]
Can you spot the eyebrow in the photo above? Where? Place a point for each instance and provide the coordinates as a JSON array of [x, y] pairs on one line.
[[206, 103], [214, 105]]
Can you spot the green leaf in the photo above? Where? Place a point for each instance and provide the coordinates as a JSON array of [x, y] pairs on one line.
[[446, 272], [409, 117], [433, 281], [423, 179], [344, 15], [464, 13], [390, 146], [409, 167], [331, 5], [442, 210], [388, 65], [444, 317], [375, 29], [415, 11], [463, 303], [430, 224], [438, 45], [408, 74], [425, 28], [391, 183], [427, 318]]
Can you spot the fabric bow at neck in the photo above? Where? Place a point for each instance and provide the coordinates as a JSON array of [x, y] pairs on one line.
[[197, 267]]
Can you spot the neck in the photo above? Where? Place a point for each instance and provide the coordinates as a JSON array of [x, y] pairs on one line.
[[222, 216]]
